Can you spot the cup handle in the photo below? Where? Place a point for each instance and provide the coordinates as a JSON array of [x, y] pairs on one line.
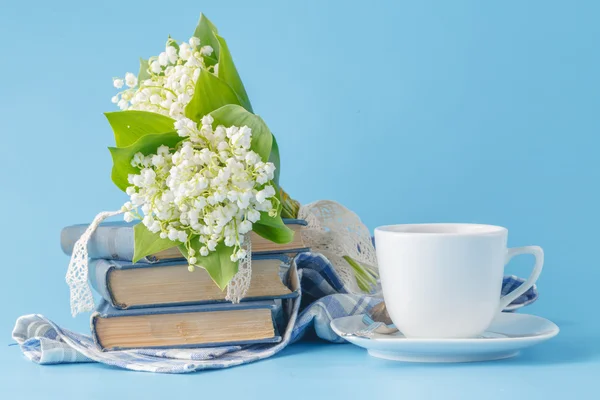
[[535, 274]]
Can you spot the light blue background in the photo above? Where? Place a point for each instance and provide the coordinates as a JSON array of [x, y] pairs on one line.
[[465, 111]]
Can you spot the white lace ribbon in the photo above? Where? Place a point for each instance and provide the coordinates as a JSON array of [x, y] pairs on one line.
[[335, 232], [240, 283], [77, 274]]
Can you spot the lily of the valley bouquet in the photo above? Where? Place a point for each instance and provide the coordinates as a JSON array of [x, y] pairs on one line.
[[202, 170]]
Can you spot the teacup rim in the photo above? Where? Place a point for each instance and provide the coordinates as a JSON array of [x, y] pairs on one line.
[[476, 229]]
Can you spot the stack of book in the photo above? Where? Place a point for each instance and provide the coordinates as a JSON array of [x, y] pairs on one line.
[[158, 303]]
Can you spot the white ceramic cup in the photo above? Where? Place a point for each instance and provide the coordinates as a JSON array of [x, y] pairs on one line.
[[445, 280]]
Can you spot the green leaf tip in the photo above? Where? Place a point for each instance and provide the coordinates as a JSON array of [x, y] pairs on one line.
[[131, 125], [229, 73], [217, 263], [205, 31], [147, 243], [273, 229], [210, 94]]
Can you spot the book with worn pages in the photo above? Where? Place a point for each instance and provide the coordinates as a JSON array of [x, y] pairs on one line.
[[114, 241], [186, 326], [124, 285]]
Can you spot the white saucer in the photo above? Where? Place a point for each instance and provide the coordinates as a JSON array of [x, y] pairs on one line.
[[506, 336]]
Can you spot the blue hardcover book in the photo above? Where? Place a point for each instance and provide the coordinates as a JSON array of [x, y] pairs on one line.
[[186, 326], [114, 241], [124, 285]]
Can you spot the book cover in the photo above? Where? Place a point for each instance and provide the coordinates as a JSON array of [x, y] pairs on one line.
[[169, 283], [185, 326], [114, 241]]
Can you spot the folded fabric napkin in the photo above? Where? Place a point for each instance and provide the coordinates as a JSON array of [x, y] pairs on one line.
[[323, 298]]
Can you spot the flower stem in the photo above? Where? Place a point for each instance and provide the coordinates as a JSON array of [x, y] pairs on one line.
[[366, 277], [289, 206]]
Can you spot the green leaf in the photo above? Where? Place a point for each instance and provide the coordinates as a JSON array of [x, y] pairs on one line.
[[147, 243], [274, 158], [206, 31], [210, 93], [130, 126], [229, 74], [218, 263], [234, 115], [273, 229], [122, 156], [143, 74]]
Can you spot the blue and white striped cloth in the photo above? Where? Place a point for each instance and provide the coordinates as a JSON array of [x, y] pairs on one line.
[[323, 298]]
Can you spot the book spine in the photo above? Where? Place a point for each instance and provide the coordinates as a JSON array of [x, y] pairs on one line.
[[99, 271], [94, 332]]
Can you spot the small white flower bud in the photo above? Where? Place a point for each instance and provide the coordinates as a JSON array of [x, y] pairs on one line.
[[118, 83], [212, 245], [194, 41], [155, 227], [155, 99], [163, 59], [130, 79], [241, 253], [184, 51], [155, 67], [253, 215], [172, 54], [245, 227], [206, 50], [128, 216]]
